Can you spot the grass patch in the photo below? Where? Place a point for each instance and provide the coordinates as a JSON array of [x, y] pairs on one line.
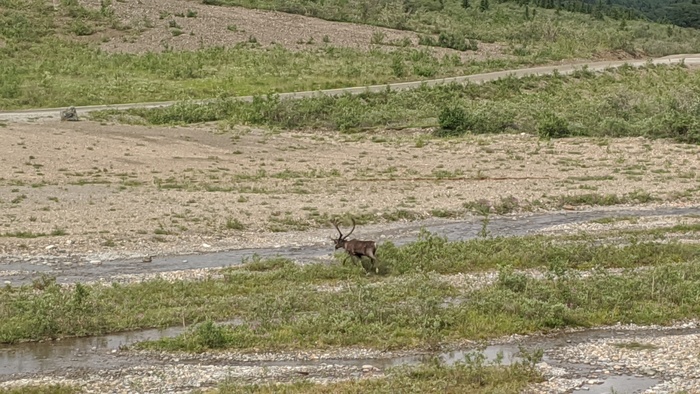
[[473, 375], [412, 313], [432, 253], [402, 308], [39, 69], [593, 199], [42, 389], [616, 219], [635, 346], [617, 103], [23, 234], [234, 224], [207, 73]]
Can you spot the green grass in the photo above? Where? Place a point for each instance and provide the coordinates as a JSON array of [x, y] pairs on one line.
[[593, 199], [657, 101], [473, 375], [412, 313], [39, 69], [45, 389], [402, 307], [435, 254], [84, 76], [616, 219], [635, 346], [234, 224]]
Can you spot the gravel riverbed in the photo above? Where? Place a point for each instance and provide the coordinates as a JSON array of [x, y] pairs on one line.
[[669, 361], [665, 359]]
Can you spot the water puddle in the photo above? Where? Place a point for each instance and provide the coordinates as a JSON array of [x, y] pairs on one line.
[[620, 384], [506, 353], [100, 352], [78, 353], [73, 353], [452, 230]]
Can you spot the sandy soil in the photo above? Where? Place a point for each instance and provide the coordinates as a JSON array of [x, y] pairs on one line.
[[152, 22], [164, 190]]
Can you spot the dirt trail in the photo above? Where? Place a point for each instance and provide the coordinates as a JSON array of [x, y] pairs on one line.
[[689, 59]]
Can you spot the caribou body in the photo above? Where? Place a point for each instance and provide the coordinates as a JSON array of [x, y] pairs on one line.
[[354, 247]]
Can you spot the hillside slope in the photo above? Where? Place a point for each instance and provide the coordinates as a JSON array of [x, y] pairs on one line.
[[82, 52]]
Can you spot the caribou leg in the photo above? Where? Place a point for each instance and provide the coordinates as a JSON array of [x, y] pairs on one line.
[[370, 254]]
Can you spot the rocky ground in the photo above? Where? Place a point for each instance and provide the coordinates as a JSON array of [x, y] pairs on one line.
[[151, 24], [675, 360], [116, 191], [627, 358], [74, 195]]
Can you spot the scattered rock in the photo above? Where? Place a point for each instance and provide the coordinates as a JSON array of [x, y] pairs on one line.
[[69, 114]]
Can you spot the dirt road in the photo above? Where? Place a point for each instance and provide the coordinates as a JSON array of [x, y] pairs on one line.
[[35, 114]]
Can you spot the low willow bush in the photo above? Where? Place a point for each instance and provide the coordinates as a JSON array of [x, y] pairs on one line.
[[415, 313], [432, 253], [283, 304], [655, 102]]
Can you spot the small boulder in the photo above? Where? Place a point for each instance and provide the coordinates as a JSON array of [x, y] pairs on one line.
[[69, 114]]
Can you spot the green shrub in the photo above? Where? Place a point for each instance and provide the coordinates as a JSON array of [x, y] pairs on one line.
[[552, 126], [80, 28], [209, 335], [453, 121], [683, 127]]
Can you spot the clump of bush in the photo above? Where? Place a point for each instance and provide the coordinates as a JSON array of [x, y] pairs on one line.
[[682, 127], [455, 121], [450, 40], [551, 125]]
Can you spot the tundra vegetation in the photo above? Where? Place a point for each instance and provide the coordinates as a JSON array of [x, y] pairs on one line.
[[418, 298], [417, 301], [654, 102], [50, 57], [406, 305]]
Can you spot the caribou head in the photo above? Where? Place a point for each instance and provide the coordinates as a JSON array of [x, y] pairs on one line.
[[342, 239]]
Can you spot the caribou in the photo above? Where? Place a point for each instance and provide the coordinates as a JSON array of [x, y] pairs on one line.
[[354, 247]]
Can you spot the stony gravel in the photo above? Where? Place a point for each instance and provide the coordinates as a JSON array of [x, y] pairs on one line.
[[675, 359], [284, 356], [184, 378], [600, 356], [216, 26], [623, 223], [657, 354], [114, 220]]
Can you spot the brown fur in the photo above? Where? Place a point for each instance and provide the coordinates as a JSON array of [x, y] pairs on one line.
[[354, 247]]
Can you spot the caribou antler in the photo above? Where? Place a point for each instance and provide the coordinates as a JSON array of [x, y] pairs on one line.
[[335, 224], [353, 228]]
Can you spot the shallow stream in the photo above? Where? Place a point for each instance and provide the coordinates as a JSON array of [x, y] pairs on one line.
[[453, 230]]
